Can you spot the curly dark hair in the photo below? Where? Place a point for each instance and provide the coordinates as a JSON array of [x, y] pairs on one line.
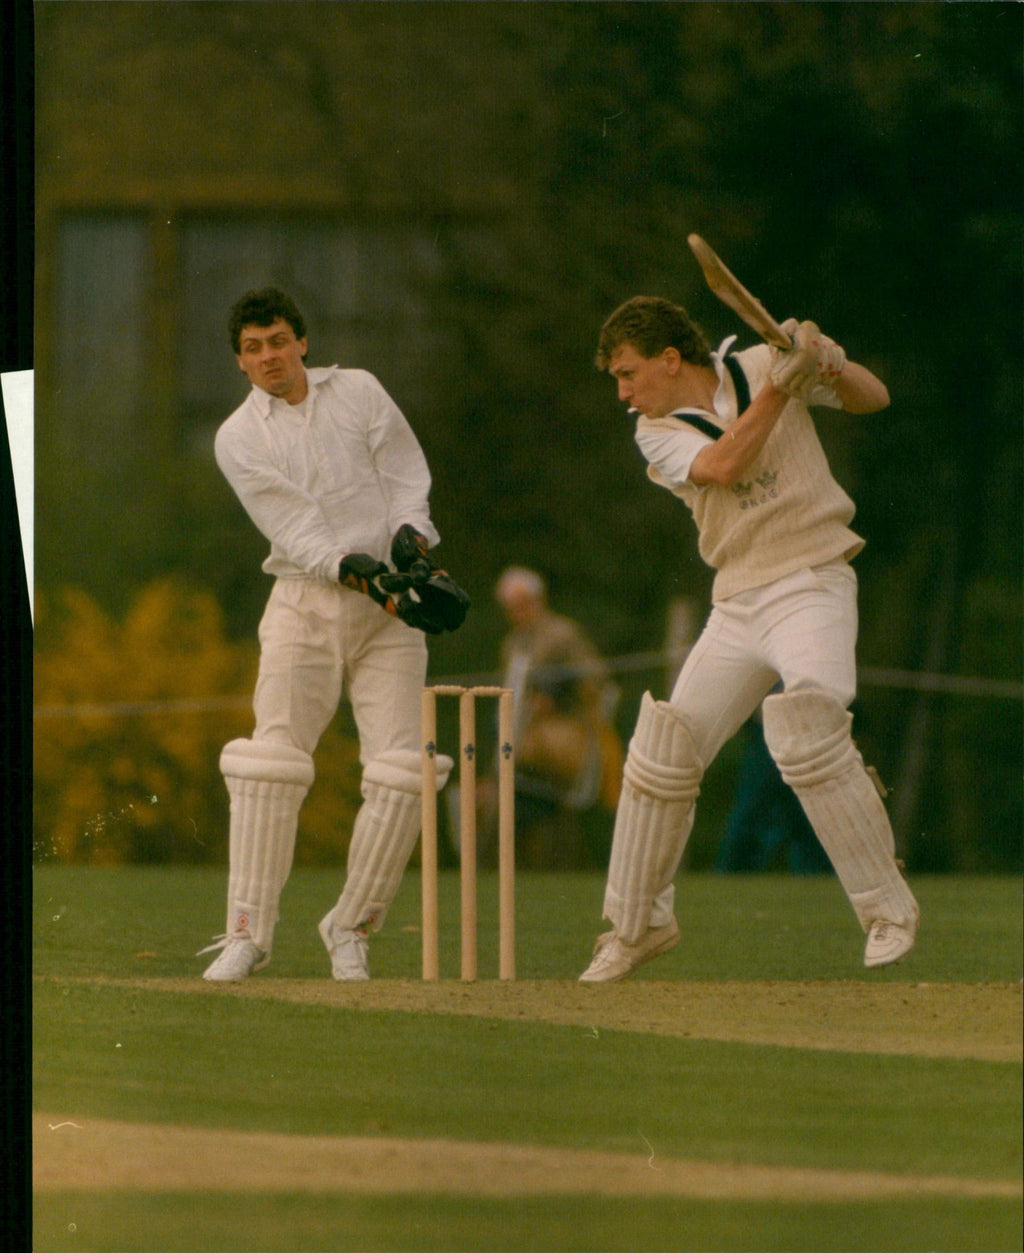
[[651, 324], [262, 308]]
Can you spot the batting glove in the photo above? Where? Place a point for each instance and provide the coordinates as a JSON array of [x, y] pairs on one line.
[[814, 361]]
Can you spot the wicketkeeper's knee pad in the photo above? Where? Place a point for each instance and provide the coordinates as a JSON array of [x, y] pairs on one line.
[[267, 761], [808, 733], [383, 837], [267, 782], [660, 785], [401, 770]]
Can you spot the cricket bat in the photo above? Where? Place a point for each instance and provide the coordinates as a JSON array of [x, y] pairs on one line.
[[731, 292]]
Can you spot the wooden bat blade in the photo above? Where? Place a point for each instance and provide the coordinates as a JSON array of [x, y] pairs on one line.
[[730, 291]]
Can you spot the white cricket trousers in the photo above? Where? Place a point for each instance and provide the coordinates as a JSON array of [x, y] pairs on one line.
[[315, 638], [801, 629]]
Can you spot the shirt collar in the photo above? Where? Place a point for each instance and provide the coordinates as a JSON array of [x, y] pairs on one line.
[[719, 354], [722, 395], [315, 375]]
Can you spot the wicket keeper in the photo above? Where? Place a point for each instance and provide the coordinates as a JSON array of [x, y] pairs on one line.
[[329, 470], [732, 436]]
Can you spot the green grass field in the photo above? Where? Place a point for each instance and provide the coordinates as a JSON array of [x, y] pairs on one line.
[[831, 1108]]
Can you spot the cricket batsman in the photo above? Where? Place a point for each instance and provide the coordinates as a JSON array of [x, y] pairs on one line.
[[732, 436], [330, 472]]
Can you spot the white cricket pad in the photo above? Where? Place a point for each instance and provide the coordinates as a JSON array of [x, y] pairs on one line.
[[808, 733], [267, 783], [660, 785], [383, 837]]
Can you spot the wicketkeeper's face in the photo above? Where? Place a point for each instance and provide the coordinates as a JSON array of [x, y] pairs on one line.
[[271, 358], [646, 384]]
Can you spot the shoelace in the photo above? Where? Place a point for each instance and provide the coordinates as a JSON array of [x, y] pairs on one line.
[[221, 941]]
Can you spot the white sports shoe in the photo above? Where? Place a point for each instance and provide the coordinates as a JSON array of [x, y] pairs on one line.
[[349, 952], [614, 959], [888, 942], [239, 959]]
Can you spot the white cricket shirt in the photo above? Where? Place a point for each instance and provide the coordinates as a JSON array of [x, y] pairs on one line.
[[338, 474]]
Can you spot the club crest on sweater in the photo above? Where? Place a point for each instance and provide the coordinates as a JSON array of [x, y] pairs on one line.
[[758, 491]]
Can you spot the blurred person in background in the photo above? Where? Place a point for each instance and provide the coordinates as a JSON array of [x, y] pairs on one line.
[[330, 472], [568, 755]]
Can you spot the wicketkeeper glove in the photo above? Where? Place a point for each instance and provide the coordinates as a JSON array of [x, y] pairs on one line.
[[408, 549], [429, 600], [814, 362], [427, 597], [362, 573]]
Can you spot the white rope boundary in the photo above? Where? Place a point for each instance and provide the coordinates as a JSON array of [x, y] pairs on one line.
[[868, 676]]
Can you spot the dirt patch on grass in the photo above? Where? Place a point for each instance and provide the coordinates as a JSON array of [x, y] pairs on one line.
[[979, 1021], [93, 1155]]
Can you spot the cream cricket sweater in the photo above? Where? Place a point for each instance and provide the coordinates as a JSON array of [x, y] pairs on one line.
[[786, 514]]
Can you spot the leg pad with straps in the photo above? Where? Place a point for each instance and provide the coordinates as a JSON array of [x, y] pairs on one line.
[[660, 784], [383, 837], [267, 782], [808, 732]]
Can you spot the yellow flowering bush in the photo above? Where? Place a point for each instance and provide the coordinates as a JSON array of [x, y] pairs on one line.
[[130, 719]]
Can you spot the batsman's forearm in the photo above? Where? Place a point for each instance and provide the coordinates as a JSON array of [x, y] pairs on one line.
[[859, 390], [729, 457]]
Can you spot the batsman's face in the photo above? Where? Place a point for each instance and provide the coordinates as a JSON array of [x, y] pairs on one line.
[[271, 358], [647, 384]]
